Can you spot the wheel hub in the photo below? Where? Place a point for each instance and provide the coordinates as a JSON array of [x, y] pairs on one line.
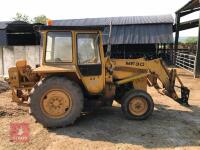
[[138, 106], [56, 103]]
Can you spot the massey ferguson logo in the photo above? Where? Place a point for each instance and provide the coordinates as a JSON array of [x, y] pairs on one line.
[[132, 63]]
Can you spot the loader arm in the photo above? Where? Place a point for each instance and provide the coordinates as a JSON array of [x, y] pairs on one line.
[[157, 70]]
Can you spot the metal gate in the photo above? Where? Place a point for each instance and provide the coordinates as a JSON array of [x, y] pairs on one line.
[[185, 61]]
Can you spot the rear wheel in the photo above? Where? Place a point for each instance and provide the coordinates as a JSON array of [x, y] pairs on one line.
[[56, 102], [137, 105]]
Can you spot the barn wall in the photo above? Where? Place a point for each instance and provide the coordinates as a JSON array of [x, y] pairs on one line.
[[13, 53], [8, 57]]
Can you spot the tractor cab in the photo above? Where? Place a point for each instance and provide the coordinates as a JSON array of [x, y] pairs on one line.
[[75, 50]]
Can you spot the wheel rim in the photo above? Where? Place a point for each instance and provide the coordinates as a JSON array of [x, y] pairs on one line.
[[56, 103], [138, 106]]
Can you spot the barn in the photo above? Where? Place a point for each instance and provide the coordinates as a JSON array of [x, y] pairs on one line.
[[132, 37], [135, 36], [18, 40]]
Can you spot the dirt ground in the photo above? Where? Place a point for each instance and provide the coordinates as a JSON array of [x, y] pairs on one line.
[[170, 127]]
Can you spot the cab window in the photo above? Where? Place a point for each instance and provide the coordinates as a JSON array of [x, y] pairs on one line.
[[88, 48], [59, 47]]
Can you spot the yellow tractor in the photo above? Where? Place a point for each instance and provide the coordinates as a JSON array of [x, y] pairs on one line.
[[76, 76]]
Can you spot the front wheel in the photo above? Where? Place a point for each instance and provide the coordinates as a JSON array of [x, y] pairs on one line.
[[137, 105]]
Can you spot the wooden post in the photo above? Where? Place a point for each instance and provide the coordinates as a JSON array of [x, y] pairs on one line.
[[1, 65], [176, 36], [171, 53], [197, 60], [164, 47]]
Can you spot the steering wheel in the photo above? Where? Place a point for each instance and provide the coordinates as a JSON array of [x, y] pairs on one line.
[[93, 60]]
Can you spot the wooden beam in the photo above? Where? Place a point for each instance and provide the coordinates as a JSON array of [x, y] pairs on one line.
[[197, 60], [176, 36], [187, 25], [184, 13], [190, 4]]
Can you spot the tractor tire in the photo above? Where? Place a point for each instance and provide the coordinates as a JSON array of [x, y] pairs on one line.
[[56, 102], [137, 105]]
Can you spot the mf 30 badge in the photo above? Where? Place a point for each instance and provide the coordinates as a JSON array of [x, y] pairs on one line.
[[134, 63]]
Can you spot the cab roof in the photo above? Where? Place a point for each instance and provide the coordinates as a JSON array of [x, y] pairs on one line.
[[45, 27]]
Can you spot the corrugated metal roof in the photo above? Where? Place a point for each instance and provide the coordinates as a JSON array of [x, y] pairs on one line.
[[125, 30], [130, 30], [140, 34], [115, 21]]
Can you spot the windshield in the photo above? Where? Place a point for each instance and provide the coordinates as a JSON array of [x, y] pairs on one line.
[[59, 47], [88, 48]]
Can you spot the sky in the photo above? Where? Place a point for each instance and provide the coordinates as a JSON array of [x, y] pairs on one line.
[[74, 9]]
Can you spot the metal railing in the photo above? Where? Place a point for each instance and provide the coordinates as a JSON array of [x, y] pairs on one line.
[[185, 61]]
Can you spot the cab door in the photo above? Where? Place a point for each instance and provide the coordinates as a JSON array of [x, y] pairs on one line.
[[89, 61]]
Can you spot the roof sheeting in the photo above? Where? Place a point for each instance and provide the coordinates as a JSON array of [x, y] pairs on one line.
[[130, 30], [125, 30], [140, 34], [115, 21]]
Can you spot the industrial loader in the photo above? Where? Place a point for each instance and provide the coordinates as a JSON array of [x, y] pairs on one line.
[[76, 76]]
